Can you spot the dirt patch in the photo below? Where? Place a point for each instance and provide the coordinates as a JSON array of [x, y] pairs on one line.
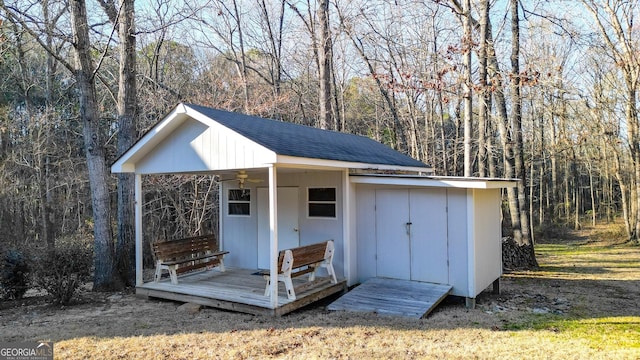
[[582, 303]]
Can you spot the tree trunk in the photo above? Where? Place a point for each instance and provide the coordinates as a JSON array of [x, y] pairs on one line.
[[576, 193], [105, 275], [275, 41], [518, 154], [324, 67], [614, 21], [242, 67], [468, 83], [127, 101], [592, 194], [507, 147], [484, 95], [634, 143], [623, 194], [554, 163], [440, 107], [46, 200], [502, 122]]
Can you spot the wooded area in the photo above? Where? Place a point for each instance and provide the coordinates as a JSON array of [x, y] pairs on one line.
[[543, 91]]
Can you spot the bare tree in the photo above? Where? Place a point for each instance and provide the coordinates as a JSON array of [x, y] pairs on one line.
[[467, 86], [84, 73], [123, 17], [615, 22], [485, 95], [516, 112], [324, 52], [510, 133], [105, 277]]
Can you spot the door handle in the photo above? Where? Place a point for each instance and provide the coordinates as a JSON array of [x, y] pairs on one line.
[[295, 229], [408, 226]]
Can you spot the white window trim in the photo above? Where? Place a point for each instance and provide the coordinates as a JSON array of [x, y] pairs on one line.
[[335, 203], [229, 202]]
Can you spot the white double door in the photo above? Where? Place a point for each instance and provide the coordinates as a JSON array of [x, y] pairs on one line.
[[288, 227], [411, 235]]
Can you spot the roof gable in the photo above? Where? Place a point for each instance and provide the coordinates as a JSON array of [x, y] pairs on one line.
[[194, 138], [295, 140], [195, 147]]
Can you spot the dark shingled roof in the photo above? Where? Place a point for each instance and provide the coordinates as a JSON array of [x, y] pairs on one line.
[[291, 139]]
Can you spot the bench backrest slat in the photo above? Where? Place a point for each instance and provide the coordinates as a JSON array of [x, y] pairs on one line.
[[186, 247], [304, 255], [309, 254]]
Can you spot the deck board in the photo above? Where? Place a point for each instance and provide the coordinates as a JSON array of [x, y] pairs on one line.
[[237, 290], [393, 297]]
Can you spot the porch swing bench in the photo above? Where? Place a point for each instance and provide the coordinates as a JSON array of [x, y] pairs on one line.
[[302, 260], [187, 254]]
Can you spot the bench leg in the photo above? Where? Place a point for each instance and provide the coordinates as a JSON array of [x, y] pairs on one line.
[[312, 275], [288, 284], [266, 289], [173, 275], [331, 272], [220, 264], [158, 275]]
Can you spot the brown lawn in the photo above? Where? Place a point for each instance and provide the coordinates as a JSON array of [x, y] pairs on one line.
[[583, 303]]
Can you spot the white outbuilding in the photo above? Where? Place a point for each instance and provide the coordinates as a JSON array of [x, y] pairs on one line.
[[285, 185]]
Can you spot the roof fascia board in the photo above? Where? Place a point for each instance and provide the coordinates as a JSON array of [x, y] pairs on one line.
[[463, 183], [294, 161]]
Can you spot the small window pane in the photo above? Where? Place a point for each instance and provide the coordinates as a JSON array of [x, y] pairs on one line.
[[322, 194], [239, 209], [239, 195], [322, 210], [240, 202]]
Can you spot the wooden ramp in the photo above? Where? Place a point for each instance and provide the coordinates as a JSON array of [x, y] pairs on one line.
[[393, 297]]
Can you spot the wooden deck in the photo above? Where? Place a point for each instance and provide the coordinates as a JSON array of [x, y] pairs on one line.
[[238, 290], [393, 297]]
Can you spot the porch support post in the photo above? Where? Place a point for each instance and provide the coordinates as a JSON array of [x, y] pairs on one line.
[[346, 224], [471, 249], [138, 224], [273, 226]]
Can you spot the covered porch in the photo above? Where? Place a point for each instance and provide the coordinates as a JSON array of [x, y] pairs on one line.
[[239, 290]]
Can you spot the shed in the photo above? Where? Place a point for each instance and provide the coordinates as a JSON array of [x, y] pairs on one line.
[[285, 185]]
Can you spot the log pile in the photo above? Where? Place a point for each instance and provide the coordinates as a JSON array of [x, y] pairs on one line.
[[516, 256]]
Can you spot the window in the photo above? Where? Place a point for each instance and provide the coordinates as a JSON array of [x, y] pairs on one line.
[[322, 202], [240, 202]]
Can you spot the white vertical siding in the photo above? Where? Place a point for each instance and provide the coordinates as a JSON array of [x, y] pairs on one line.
[[195, 146], [487, 234], [393, 245], [365, 232], [240, 234], [444, 226], [350, 235], [429, 243], [457, 234], [313, 230]]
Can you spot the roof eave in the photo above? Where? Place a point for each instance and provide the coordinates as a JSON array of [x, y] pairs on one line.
[[435, 181], [302, 162]]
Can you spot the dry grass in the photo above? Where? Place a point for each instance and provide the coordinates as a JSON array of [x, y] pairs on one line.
[[583, 303]]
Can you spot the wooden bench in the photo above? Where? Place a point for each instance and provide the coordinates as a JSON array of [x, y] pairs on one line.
[[303, 260], [182, 255]]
